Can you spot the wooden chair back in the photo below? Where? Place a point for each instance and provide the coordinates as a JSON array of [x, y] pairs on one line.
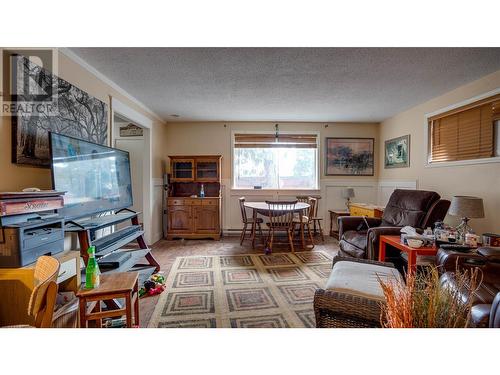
[[43, 297], [313, 205], [243, 209], [281, 213], [302, 198]]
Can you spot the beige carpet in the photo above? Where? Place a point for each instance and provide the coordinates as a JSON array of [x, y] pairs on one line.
[[242, 291]]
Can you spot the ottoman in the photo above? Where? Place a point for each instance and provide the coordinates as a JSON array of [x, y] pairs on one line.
[[353, 296]]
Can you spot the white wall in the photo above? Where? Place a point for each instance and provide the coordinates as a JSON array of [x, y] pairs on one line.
[[214, 138], [482, 180]]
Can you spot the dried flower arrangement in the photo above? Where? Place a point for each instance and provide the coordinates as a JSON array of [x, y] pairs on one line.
[[425, 302]]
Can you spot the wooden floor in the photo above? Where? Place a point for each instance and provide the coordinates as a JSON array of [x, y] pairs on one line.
[[166, 251]]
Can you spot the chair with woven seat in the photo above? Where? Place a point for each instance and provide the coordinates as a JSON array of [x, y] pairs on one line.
[[304, 221], [313, 217], [248, 222], [43, 297], [281, 216]]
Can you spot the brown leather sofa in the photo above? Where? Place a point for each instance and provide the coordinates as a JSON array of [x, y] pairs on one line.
[[495, 313], [487, 259], [417, 208]]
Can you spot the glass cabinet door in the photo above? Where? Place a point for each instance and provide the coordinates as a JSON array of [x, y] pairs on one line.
[[183, 169], [207, 170]]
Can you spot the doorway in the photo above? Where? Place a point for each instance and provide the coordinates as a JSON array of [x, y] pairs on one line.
[[134, 145], [139, 148]]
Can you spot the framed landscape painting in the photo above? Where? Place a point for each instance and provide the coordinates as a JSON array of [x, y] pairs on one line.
[[397, 152], [349, 157]]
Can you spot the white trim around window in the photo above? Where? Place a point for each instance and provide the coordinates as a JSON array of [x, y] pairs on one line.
[[318, 156], [495, 159]]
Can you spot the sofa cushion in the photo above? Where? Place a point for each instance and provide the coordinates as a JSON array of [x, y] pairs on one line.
[[358, 239], [349, 250], [361, 279], [408, 207]]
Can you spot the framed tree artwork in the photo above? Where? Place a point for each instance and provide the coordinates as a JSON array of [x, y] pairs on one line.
[[397, 152], [349, 157], [73, 112]]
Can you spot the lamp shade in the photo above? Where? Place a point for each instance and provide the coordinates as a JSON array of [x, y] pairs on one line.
[[347, 193], [464, 206]]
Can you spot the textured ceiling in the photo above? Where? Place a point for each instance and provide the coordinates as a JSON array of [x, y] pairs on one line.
[[288, 84]]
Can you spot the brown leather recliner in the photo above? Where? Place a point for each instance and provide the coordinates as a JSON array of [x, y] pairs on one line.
[[487, 259], [417, 208]]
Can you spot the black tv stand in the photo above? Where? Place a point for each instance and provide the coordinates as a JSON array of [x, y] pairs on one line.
[[86, 228]]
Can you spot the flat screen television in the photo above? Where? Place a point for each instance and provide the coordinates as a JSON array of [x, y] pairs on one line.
[[95, 178]]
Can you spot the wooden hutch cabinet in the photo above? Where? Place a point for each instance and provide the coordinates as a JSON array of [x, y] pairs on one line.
[[189, 214]]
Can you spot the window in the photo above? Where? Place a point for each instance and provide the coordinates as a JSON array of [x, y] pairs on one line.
[[289, 161], [466, 133]]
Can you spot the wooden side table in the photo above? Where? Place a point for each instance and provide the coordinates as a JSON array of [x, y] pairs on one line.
[[395, 241], [113, 285], [334, 215]]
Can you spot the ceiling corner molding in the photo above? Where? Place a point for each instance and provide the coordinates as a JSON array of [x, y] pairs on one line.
[[77, 59]]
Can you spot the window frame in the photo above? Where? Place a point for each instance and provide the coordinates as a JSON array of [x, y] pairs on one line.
[[427, 138], [317, 154]]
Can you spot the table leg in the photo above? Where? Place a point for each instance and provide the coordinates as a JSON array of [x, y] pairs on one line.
[[97, 308], [128, 309], [381, 251], [412, 261], [136, 306], [302, 239], [83, 307], [254, 226]]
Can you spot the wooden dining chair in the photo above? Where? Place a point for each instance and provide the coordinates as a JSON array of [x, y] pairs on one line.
[[304, 221], [316, 220], [43, 297], [281, 215], [249, 222]]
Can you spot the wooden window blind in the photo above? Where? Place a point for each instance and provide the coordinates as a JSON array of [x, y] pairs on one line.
[[464, 133], [271, 141]]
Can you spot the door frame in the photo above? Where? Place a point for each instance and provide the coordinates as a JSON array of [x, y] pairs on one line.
[[124, 111]]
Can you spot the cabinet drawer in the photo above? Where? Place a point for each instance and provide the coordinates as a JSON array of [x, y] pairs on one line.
[[67, 270], [40, 237], [209, 202], [358, 211], [193, 202], [175, 202]]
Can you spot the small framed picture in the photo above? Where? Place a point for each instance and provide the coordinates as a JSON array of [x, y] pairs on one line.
[[397, 152], [349, 157]]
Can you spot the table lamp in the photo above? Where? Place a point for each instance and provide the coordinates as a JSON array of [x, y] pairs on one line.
[[347, 194], [466, 207]]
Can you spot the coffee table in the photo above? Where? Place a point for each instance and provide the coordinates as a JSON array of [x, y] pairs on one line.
[[395, 241]]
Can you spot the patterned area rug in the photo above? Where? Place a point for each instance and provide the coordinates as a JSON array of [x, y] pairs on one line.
[[242, 291]]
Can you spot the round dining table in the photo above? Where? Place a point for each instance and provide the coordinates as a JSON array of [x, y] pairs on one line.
[[262, 208]]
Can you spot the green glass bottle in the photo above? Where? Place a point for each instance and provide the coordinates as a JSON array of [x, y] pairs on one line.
[[92, 271]]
